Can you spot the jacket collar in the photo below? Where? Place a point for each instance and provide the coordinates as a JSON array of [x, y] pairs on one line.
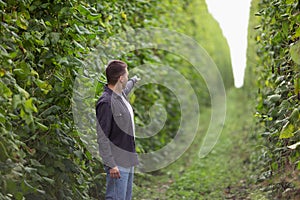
[[112, 93], [107, 89]]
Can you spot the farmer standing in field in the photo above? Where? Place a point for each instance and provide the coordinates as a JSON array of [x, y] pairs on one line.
[[115, 130]]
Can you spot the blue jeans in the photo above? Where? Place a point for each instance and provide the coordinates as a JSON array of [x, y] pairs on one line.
[[119, 188]]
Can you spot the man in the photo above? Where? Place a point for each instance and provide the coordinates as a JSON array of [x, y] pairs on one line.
[[115, 130]]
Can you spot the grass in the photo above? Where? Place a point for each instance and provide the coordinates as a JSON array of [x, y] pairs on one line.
[[224, 174]]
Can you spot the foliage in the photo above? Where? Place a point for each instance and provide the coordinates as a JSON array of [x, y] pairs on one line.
[[278, 96], [40, 54], [184, 17], [43, 47]]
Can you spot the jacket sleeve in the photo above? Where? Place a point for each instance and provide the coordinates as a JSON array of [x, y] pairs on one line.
[[129, 85], [104, 120]]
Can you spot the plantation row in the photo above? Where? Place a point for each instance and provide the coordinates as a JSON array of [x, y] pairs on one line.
[[43, 48], [274, 71]]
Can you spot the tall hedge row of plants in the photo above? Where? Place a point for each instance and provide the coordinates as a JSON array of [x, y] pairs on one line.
[[278, 51], [42, 47]]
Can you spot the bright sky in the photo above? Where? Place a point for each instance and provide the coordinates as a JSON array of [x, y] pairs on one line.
[[233, 17]]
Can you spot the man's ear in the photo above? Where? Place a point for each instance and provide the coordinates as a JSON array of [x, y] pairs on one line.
[[121, 79]]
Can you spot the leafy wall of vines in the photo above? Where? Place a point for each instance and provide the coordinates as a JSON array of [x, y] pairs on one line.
[[278, 96]]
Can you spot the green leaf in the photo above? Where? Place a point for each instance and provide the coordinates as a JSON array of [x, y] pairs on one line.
[[287, 131], [49, 180], [297, 33], [78, 45], [16, 101], [297, 85], [34, 73], [30, 169], [295, 116], [5, 91], [3, 154], [45, 5], [295, 52], [285, 28], [2, 118], [27, 186], [35, 163], [2, 72], [43, 85], [26, 116], [42, 126], [23, 70], [83, 10], [274, 98], [29, 106], [22, 22], [23, 92], [13, 54], [19, 196], [78, 30], [289, 1], [2, 3]]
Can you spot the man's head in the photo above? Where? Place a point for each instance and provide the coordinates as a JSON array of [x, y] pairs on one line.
[[116, 70]]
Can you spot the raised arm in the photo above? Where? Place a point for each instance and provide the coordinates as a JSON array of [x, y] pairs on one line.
[[131, 82]]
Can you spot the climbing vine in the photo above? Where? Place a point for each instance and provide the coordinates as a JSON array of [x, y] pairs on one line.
[[279, 95]]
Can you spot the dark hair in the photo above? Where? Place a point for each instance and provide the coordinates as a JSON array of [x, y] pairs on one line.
[[114, 70]]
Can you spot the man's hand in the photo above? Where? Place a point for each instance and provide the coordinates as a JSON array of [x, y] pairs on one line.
[[135, 79], [114, 172]]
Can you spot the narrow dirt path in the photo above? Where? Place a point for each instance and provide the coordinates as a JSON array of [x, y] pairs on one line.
[[224, 174]]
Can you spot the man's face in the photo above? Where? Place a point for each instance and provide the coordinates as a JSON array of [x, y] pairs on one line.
[[124, 79]]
